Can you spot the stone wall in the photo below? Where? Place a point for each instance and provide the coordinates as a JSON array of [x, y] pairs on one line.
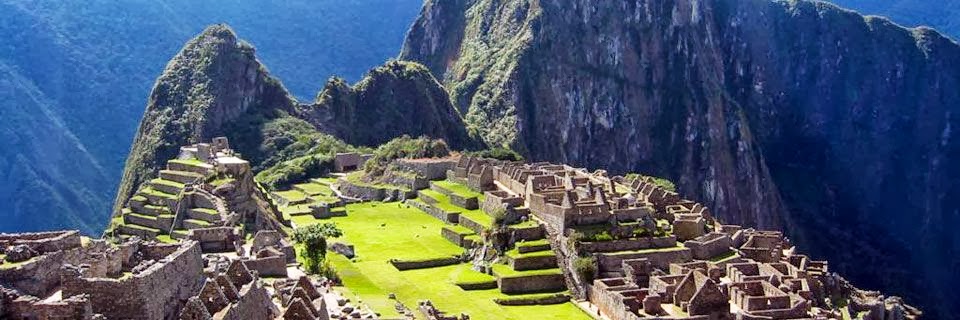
[[527, 234], [494, 201], [32, 308], [709, 245], [469, 203], [275, 266], [533, 262], [453, 236], [36, 277], [430, 169], [254, 303], [157, 293], [611, 303], [369, 193], [659, 259], [472, 225], [448, 217], [531, 284], [43, 241], [629, 245], [220, 239], [423, 264]]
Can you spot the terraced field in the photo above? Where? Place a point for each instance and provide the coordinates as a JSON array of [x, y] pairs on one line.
[[384, 231]]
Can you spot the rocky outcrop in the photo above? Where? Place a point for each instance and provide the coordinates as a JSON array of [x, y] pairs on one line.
[[392, 100], [777, 114]]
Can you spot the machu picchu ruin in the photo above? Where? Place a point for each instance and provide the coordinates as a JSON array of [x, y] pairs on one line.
[[452, 237], [499, 169]]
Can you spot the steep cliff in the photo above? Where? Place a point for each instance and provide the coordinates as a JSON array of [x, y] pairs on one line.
[[789, 114], [216, 86]]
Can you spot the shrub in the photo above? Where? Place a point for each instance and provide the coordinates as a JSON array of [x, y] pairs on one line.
[[404, 147], [603, 236], [498, 153], [586, 268], [314, 240]]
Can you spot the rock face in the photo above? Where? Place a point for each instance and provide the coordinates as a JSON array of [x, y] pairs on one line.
[[777, 114]]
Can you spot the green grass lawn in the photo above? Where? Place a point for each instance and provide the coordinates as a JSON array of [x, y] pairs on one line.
[[314, 189], [291, 195], [383, 231], [459, 189]]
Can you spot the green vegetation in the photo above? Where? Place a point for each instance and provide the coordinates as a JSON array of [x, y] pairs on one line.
[[586, 268], [505, 271], [404, 147], [313, 239], [299, 152], [458, 189], [661, 182], [724, 257], [498, 153], [384, 231]]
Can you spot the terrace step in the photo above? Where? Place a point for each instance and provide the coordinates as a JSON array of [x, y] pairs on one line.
[[533, 246], [196, 224], [166, 186], [203, 214], [145, 221], [137, 230], [537, 260], [179, 233], [154, 210], [313, 189], [194, 166], [158, 198], [183, 177], [137, 201]]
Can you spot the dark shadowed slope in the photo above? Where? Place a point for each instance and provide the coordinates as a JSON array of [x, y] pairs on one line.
[[793, 114]]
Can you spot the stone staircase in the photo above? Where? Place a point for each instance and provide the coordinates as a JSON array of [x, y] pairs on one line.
[[151, 212]]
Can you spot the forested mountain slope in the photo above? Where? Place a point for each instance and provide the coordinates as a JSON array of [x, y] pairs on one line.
[[75, 77]]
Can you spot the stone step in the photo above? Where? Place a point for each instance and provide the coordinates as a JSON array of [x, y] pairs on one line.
[[203, 214], [533, 246], [143, 220], [153, 210], [137, 230], [191, 165], [196, 224], [137, 202], [183, 177], [158, 198], [179, 233], [166, 186]]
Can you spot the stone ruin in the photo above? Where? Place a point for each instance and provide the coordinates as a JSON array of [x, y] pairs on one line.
[[136, 279], [430, 312], [703, 270], [204, 194]]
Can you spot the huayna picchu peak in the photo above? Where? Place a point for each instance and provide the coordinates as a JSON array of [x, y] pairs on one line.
[[528, 159]]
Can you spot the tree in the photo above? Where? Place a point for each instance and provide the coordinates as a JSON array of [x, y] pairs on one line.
[[314, 240]]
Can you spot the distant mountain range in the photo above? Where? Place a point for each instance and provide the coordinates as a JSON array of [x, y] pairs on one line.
[[943, 15], [75, 76]]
